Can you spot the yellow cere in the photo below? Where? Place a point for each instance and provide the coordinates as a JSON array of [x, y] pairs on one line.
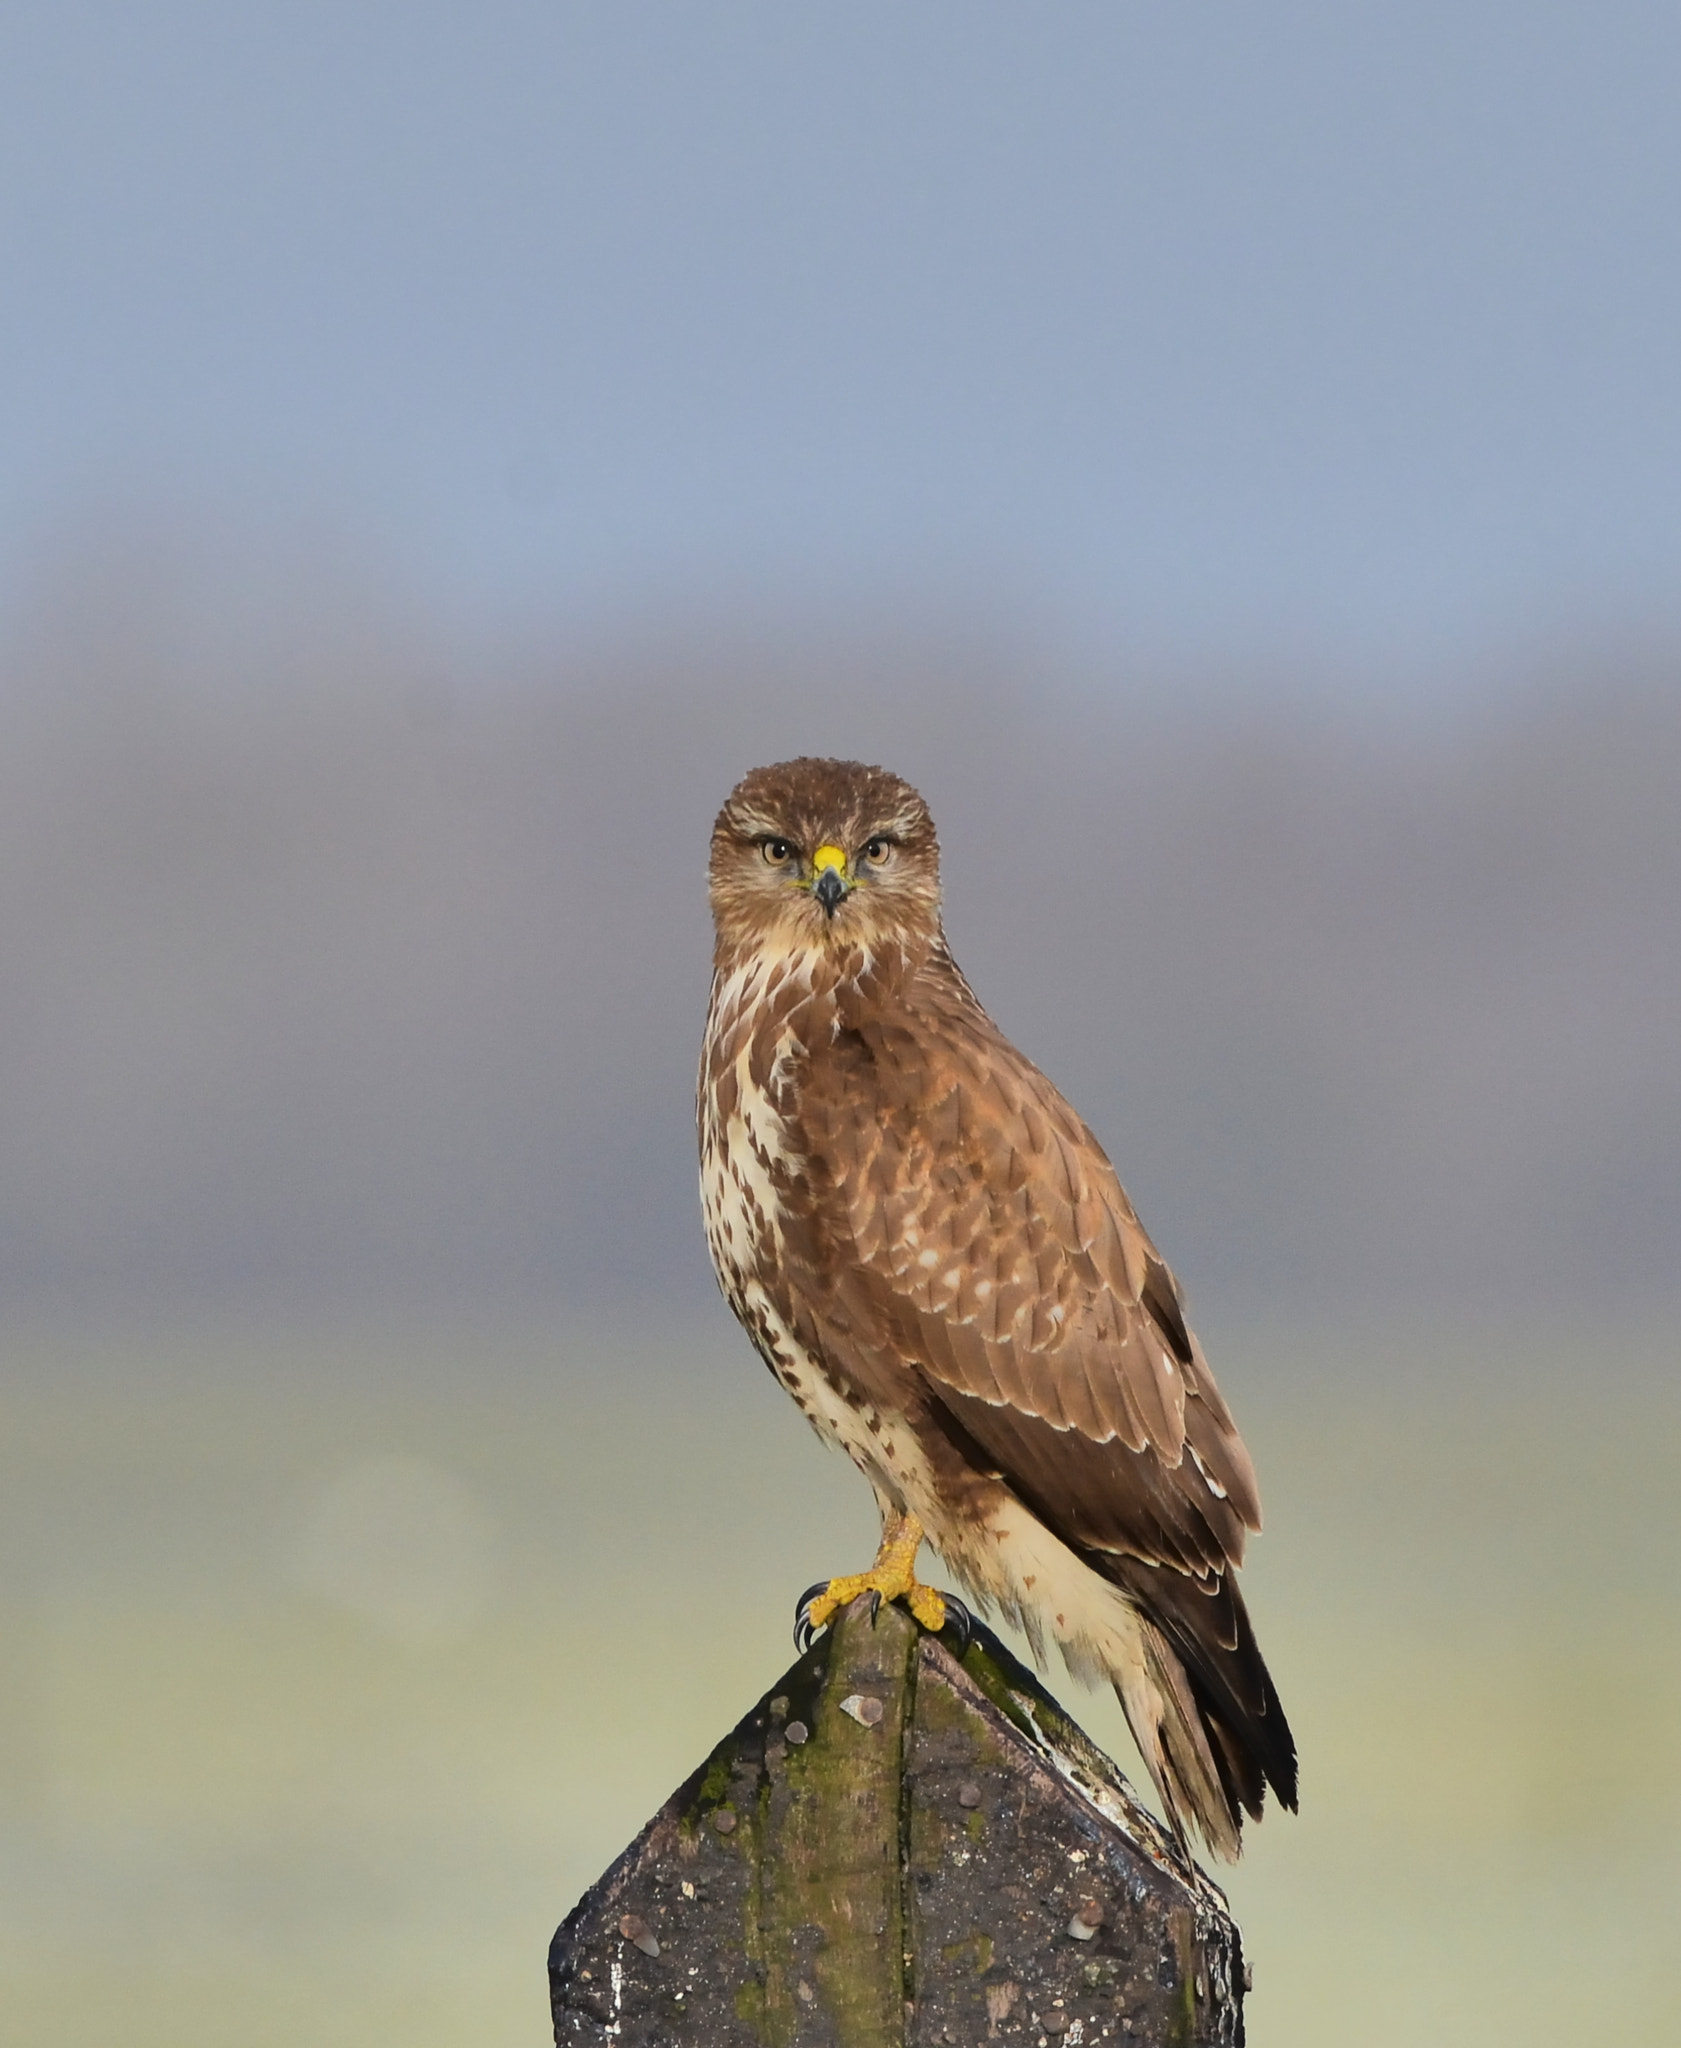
[[828, 857]]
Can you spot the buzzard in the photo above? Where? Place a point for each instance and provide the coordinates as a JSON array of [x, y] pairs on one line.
[[934, 1256]]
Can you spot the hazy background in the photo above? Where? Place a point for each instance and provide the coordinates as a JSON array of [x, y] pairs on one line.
[[1230, 460]]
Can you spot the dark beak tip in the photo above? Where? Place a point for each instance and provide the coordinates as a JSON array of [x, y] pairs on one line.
[[829, 890]]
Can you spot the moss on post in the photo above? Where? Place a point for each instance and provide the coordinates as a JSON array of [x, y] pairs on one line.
[[827, 1924]]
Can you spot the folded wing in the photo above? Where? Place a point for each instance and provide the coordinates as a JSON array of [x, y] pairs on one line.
[[993, 1241]]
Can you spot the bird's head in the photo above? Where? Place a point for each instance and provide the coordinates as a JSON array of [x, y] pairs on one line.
[[824, 854]]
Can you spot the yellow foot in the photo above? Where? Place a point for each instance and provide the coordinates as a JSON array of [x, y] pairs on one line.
[[891, 1577]]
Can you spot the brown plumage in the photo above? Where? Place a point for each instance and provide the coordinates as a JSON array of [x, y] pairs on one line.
[[935, 1257]]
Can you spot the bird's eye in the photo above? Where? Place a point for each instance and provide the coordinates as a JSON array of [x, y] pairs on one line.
[[776, 851], [878, 851]]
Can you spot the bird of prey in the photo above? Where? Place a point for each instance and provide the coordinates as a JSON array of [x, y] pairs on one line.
[[935, 1258]]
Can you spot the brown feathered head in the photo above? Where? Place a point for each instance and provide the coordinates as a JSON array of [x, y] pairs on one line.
[[823, 854]]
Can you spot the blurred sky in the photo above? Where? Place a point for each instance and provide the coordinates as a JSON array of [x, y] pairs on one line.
[[445, 447], [1208, 327]]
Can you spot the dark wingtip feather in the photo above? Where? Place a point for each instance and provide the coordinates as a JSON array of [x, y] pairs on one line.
[[1241, 1712]]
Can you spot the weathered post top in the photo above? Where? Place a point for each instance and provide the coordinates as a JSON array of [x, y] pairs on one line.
[[898, 1846]]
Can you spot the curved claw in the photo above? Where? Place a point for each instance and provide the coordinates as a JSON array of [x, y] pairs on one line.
[[960, 1622], [804, 1634], [875, 1605]]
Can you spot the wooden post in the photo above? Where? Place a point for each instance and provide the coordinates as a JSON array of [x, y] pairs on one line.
[[898, 1847]]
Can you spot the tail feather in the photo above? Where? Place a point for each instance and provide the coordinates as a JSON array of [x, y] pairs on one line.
[[1178, 1650], [1209, 1722], [1192, 1776]]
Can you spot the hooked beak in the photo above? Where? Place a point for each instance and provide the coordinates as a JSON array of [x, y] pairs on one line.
[[829, 876]]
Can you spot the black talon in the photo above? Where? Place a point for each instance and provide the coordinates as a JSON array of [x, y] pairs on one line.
[[804, 1634], [960, 1621], [875, 1605]]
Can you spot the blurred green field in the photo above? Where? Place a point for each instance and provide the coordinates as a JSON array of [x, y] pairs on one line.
[[333, 1668]]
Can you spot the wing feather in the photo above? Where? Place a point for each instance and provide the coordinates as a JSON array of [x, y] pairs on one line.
[[978, 1234], [975, 1197]]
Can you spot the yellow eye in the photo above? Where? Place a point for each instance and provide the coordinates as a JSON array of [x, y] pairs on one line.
[[777, 852], [878, 851]]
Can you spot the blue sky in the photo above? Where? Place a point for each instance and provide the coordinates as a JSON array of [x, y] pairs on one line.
[[1208, 326]]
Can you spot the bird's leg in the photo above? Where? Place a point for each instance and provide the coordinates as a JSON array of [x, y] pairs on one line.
[[891, 1577]]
